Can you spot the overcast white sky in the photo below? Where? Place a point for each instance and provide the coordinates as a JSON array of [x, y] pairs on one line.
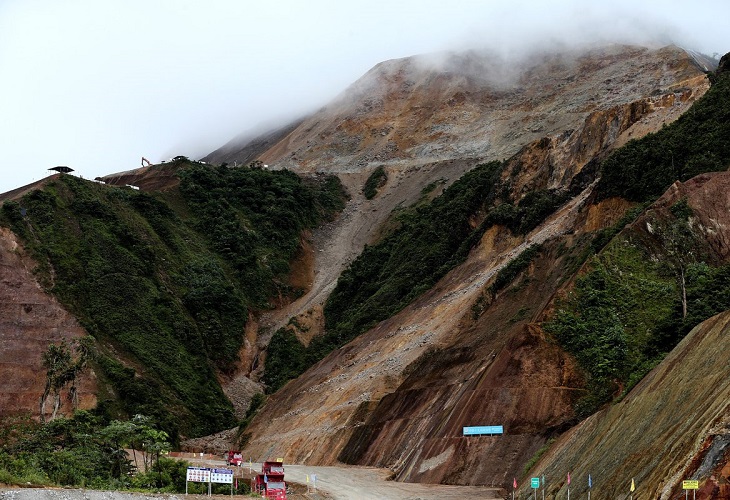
[[97, 84]]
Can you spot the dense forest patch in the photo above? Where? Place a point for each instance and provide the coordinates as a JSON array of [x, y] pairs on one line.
[[171, 287]]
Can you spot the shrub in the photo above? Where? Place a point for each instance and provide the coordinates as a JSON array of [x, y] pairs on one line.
[[375, 181]]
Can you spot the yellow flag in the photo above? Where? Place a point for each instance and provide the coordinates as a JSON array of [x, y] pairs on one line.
[[307, 477], [633, 486]]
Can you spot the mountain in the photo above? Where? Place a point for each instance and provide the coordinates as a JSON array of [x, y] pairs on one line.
[[467, 105], [460, 354], [524, 243]]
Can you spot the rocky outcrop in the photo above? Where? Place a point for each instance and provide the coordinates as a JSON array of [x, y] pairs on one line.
[[30, 320]]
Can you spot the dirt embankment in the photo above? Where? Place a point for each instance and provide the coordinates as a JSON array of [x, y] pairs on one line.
[[30, 320]]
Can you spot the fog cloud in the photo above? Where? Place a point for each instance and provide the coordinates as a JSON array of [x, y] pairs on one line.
[[97, 85]]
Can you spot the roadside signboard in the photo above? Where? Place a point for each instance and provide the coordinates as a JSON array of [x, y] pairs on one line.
[[224, 476], [210, 476], [481, 430], [534, 482], [198, 474], [690, 484]]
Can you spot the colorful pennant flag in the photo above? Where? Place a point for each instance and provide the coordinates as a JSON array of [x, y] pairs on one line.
[[633, 486], [569, 478], [514, 483]]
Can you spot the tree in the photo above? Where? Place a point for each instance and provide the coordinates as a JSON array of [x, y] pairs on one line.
[[118, 435], [63, 364], [679, 242], [150, 441]]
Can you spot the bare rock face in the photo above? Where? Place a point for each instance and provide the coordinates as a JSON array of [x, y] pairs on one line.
[[30, 320], [472, 105]]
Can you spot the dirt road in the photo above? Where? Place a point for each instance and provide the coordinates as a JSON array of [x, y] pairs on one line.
[[361, 483]]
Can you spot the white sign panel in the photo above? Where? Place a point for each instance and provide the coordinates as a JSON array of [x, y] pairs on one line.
[[198, 474], [221, 476]]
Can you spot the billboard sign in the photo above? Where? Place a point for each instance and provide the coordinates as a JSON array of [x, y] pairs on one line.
[[690, 484], [221, 476], [198, 474], [483, 430]]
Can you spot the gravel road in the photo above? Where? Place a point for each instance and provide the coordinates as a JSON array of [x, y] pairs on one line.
[[69, 494], [362, 483]]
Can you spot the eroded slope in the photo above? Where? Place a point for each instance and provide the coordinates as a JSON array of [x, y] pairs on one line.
[[30, 321], [398, 395]]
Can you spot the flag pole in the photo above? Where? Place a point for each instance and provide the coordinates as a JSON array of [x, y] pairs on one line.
[[543, 487], [590, 485], [633, 487]]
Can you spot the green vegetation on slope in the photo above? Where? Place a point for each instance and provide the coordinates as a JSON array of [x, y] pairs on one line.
[[375, 181], [698, 142], [254, 219], [431, 239], [626, 313], [170, 290]]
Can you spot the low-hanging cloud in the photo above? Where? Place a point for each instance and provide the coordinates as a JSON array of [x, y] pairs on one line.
[[96, 86]]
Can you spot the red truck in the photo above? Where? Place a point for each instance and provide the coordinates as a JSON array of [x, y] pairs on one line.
[[270, 483], [271, 487], [234, 458]]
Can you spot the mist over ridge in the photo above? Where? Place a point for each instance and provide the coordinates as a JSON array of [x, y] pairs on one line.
[[167, 79]]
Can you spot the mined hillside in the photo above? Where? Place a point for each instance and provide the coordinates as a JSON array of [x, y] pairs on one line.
[[673, 426], [480, 224], [475, 105], [580, 105], [30, 320], [469, 349]]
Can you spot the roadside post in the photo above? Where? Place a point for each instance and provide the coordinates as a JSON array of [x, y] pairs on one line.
[[690, 484], [590, 485], [543, 487]]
